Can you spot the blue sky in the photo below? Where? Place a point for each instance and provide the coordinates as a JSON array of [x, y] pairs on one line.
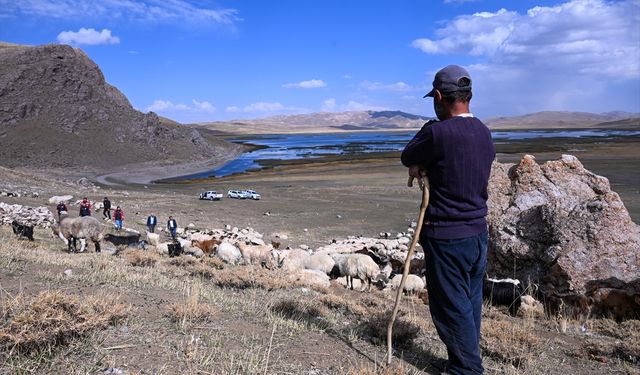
[[219, 60]]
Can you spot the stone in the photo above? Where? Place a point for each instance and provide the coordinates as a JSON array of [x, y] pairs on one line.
[[558, 225], [56, 199]]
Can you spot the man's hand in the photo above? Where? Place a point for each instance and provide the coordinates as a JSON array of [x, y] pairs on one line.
[[416, 171]]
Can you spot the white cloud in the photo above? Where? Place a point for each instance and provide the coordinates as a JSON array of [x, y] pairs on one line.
[[329, 105], [263, 107], [377, 86], [167, 106], [203, 106], [151, 10], [347, 76], [583, 37], [233, 109], [310, 84], [357, 106], [88, 37], [579, 55]]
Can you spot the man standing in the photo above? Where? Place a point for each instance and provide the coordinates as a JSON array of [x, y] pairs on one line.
[[172, 225], [85, 207], [456, 154], [152, 220], [118, 217], [106, 209]]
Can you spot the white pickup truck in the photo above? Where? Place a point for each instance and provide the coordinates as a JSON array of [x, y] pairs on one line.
[[211, 195]]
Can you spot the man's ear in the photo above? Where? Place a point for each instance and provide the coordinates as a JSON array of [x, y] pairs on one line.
[[437, 95]]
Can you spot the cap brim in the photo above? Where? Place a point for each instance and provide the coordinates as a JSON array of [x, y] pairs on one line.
[[430, 93]]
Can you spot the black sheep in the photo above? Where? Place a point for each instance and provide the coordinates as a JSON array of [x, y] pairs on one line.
[[21, 230], [175, 249], [504, 292]]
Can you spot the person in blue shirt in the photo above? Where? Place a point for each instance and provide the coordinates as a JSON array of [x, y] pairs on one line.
[[456, 154], [152, 220]]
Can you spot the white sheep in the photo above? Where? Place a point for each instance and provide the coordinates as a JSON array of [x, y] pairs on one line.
[[291, 260], [360, 266], [153, 238], [228, 252], [310, 278], [70, 229], [412, 285], [257, 254], [320, 262]]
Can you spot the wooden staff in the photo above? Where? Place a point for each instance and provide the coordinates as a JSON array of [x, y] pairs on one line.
[[424, 185]]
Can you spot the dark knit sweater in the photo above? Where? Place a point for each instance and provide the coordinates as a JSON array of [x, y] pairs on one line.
[[457, 154]]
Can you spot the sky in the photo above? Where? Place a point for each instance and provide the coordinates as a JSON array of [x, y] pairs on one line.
[[196, 61]]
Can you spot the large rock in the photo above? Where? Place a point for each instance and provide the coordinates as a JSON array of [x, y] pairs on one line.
[[559, 226], [37, 216]]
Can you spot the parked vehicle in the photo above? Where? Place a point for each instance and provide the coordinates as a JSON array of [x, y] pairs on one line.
[[252, 194], [238, 194], [211, 195]]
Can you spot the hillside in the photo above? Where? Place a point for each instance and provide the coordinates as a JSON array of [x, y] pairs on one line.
[[57, 110], [322, 122], [564, 119]]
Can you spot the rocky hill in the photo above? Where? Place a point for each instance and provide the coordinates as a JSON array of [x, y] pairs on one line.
[[57, 110], [323, 122]]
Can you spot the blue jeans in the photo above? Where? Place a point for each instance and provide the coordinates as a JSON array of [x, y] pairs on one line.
[[455, 270], [173, 232], [118, 224]]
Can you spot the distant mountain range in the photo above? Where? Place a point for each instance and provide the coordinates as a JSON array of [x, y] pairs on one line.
[[560, 119], [398, 120], [322, 122]]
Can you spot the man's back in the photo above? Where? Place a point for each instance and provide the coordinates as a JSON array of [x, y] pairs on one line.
[[457, 154]]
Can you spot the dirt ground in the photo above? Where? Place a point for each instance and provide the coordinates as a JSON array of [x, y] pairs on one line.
[[244, 320]]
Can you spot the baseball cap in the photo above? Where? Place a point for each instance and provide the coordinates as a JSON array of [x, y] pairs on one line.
[[448, 80]]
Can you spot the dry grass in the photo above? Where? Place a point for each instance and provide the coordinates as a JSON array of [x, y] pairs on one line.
[[342, 305], [297, 309], [405, 329], [51, 319], [510, 343], [625, 347], [380, 369], [191, 310], [140, 258], [245, 277]]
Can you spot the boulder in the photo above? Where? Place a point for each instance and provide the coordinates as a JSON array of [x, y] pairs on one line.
[[56, 199], [37, 216], [558, 225]]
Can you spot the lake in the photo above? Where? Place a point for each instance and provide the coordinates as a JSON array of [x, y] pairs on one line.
[[307, 146]]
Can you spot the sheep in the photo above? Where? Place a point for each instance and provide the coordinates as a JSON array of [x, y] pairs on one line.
[[619, 304], [291, 260], [175, 249], [412, 285], [126, 239], [21, 230], [257, 254], [228, 252], [310, 278], [357, 265], [503, 292], [320, 262], [530, 307], [153, 238], [79, 228], [207, 246]]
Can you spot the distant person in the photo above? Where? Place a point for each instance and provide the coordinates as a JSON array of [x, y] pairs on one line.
[[455, 153], [61, 207], [118, 217], [152, 220], [106, 209], [85, 207], [172, 225]]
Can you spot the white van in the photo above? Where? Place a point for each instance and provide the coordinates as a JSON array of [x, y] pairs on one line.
[[211, 195]]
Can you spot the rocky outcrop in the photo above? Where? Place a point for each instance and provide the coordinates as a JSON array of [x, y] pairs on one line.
[[57, 110], [559, 226], [36, 216]]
